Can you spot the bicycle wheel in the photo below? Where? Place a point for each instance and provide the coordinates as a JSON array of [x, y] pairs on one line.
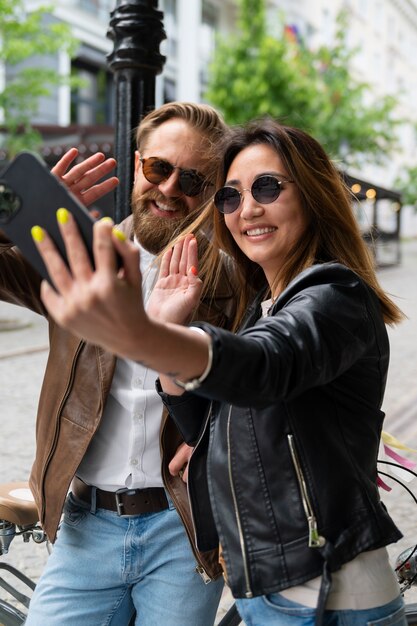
[[411, 614], [10, 616]]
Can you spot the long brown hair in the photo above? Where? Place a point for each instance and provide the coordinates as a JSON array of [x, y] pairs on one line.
[[333, 233]]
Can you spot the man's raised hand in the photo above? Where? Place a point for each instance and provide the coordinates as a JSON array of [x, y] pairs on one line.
[[82, 179]]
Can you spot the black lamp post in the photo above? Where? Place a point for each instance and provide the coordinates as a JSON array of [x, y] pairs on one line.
[[137, 30]]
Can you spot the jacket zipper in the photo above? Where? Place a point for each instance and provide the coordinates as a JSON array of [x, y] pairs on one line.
[[315, 540], [199, 568], [53, 446], [248, 593]]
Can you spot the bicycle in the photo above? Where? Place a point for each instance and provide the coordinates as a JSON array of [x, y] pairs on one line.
[[406, 562], [18, 516]]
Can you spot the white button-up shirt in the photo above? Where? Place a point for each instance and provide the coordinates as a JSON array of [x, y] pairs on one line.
[[125, 450]]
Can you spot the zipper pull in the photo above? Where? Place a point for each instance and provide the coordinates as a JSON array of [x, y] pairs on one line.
[[314, 539], [206, 578]]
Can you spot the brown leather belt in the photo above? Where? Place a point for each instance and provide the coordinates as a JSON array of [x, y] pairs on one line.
[[123, 501]]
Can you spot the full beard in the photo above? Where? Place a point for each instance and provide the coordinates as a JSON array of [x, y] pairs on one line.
[[155, 233]]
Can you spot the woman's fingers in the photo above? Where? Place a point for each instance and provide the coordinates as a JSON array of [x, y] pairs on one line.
[[79, 259], [179, 462], [53, 301], [183, 262], [174, 266], [54, 263], [114, 252], [165, 264], [192, 258], [183, 256], [129, 255]]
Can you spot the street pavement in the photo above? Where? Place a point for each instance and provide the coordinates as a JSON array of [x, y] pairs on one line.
[[23, 355]]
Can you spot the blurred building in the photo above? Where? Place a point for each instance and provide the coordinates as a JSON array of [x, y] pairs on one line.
[[384, 31]]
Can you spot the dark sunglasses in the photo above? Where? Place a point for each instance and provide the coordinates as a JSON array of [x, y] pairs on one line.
[[265, 190], [156, 170]]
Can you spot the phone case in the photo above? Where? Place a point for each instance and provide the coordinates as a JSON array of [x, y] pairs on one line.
[[30, 195]]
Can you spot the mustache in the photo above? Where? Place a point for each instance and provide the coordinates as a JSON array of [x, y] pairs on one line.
[[155, 195]]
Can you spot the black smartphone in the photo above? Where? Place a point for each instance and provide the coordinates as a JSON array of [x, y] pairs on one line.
[[31, 195]]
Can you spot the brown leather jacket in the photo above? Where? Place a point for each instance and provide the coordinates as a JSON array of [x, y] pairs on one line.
[[77, 381]]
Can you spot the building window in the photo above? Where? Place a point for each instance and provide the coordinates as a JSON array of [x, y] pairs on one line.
[[91, 101], [207, 39], [170, 90], [170, 45], [101, 8]]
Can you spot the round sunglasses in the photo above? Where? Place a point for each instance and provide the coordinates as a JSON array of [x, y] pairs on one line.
[[156, 170], [265, 190]]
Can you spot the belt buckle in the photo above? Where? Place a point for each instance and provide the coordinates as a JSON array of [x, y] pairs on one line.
[[119, 503]]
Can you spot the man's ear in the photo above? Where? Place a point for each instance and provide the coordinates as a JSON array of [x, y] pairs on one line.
[[137, 163]]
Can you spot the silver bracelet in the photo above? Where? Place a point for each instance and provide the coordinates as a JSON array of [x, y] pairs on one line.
[[195, 383]]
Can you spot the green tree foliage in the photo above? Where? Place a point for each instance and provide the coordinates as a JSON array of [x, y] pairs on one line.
[[24, 39], [255, 73], [407, 184]]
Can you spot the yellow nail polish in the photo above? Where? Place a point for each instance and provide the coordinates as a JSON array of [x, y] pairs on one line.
[[119, 234], [106, 220], [37, 233], [62, 215]]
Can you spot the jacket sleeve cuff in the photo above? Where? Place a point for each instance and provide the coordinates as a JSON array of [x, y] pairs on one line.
[[188, 412]]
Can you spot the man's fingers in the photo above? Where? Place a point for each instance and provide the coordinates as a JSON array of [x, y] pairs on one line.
[[87, 176], [89, 196], [64, 162], [81, 179], [78, 171]]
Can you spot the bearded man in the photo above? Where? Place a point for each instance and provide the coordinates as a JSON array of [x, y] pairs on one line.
[[126, 541]]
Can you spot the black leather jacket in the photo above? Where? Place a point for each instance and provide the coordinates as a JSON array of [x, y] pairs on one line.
[[291, 412]]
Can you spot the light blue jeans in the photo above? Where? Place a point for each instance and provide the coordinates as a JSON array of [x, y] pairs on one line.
[[103, 567], [275, 610]]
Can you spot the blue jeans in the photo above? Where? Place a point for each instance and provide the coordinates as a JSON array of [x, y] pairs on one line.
[[103, 567], [275, 610]]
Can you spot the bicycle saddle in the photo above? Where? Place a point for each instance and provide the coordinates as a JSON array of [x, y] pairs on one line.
[[17, 504]]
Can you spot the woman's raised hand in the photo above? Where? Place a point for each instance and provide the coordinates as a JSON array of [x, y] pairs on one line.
[[177, 292], [82, 179]]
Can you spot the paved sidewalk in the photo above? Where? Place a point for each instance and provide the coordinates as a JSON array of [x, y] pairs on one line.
[[23, 355]]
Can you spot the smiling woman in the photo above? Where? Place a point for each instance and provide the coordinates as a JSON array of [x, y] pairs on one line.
[[263, 226], [285, 415]]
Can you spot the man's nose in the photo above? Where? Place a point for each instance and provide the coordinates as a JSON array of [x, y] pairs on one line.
[[170, 186]]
